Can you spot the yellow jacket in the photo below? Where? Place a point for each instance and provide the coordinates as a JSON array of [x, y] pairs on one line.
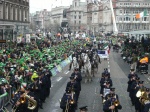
[[144, 60]]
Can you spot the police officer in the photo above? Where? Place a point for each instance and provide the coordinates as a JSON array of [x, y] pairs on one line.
[[68, 101]]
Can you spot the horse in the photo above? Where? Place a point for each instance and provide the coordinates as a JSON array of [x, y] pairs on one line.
[[87, 68], [74, 63]]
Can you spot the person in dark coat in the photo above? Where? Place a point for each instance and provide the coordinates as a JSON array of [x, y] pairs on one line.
[[138, 87], [74, 85], [134, 85], [147, 106], [33, 97], [103, 83], [110, 105], [17, 105], [67, 102], [78, 77], [36, 89], [49, 75]]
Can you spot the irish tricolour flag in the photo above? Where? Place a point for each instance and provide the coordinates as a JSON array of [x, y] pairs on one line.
[[142, 14]]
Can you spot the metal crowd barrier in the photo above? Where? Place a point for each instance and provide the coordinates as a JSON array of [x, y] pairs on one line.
[[5, 99]]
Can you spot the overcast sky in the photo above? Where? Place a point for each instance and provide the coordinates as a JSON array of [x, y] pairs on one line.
[[36, 5]]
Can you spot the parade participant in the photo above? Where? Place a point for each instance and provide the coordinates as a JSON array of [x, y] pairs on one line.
[[147, 105], [32, 97], [68, 101], [36, 89], [103, 83], [49, 75], [112, 105], [83, 109], [19, 106], [43, 83], [74, 86], [112, 91], [138, 87], [132, 73], [78, 78], [134, 85], [106, 90]]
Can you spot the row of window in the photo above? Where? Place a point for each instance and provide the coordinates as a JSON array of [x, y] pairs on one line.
[[133, 27], [134, 4], [75, 22], [134, 11], [77, 12], [75, 17], [128, 18]]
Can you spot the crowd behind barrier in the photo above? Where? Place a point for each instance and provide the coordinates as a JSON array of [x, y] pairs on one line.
[[6, 99]]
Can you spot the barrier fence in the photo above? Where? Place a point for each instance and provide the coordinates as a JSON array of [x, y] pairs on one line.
[[60, 67]]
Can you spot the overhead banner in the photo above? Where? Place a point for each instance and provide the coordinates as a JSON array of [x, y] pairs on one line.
[[103, 53], [28, 38]]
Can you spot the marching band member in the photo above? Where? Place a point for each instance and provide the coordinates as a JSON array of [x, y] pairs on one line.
[[74, 86], [68, 101], [134, 85], [106, 90], [78, 79], [17, 105], [33, 97], [138, 86], [36, 88], [103, 83], [147, 105], [112, 104], [112, 91]]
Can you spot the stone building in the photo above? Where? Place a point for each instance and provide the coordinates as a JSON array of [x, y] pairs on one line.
[[99, 18], [40, 21], [76, 16], [14, 18], [125, 12]]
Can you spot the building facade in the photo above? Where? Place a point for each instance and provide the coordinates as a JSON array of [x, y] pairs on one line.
[[125, 12], [58, 18], [99, 18], [76, 16], [40, 21], [14, 18]]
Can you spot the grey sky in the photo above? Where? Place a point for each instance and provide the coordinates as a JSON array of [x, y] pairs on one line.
[[36, 5]]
